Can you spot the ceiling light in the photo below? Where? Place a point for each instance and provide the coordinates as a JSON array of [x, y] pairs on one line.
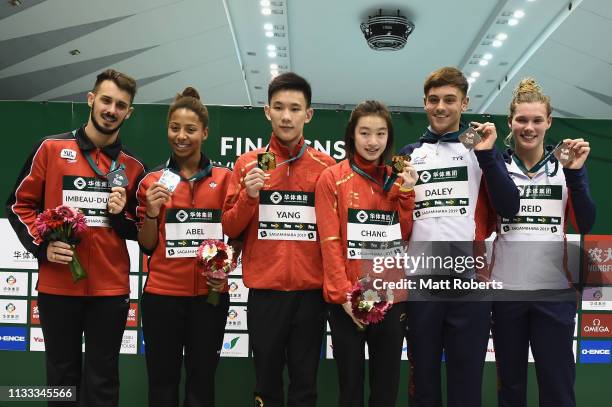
[[487, 56], [272, 54], [274, 72], [497, 43], [273, 66], [266, 11], [269, 34], [265, 3], [271, 47], [268, 27], [483, 62], [471, 80], [501, 36], [74, 52], [518, 14], [512, 22], [475, 74]]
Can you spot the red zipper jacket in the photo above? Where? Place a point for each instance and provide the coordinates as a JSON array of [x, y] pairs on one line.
[[58, 163], [340, 188], [283, 265], [181, 276]]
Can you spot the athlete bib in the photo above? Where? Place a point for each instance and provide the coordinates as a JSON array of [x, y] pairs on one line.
[[287, 215], [186, 228], [89, 195], [540, 211], [441, 192], [373, 233]]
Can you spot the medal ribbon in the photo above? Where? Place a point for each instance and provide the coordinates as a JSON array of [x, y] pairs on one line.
[[387, 182], [297, 157]]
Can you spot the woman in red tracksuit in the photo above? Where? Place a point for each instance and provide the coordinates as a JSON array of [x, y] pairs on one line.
[[175, 311], [362, 202]]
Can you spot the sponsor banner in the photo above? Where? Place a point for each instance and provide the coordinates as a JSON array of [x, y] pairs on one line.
[[132, 317], [235, 345], [34, 317], [129, 342], [37, 340], [13, 311], [596, 325], [12, 254], [13, 284], [236, 318], [13, 338], [33, 290], [597, 299], [134, 291], [598, 259], [593, 351], [134, 253], [237, 290]]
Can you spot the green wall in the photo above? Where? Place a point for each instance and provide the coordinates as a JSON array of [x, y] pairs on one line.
[[145, 135]]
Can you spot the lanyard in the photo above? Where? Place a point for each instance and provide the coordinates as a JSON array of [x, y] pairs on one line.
[[386, 184], [203, 173], [297, 157], [95, 167], [543, 162]]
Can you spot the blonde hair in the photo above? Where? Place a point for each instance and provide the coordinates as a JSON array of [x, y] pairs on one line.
[[527, 91]]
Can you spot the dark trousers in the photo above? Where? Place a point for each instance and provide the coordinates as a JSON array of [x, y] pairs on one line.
[[549, 327], [171, 324], [384, 339], [461, 329], [64, 319], [286, 328]]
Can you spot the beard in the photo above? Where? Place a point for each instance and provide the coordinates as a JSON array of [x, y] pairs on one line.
[[104, 130]]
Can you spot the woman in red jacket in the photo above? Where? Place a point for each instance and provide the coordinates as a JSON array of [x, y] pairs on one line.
[[179, 206], [363, 203]]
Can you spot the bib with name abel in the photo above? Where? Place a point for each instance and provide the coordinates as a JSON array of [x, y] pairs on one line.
[[287, 215], [441, 192], [90, 195], [540, 211], [186, 228], [373, 233]]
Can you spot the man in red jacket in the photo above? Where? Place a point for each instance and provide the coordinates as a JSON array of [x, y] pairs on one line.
[[71, 169], [273, 211]]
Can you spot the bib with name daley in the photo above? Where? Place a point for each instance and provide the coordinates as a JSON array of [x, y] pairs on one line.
[[442, 189]]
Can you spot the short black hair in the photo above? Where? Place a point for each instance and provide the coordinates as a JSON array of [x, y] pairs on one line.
[[290, 81]]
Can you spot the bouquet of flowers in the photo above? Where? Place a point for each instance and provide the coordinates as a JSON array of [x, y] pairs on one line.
[[218, 261], [368, 304], [64, 224]]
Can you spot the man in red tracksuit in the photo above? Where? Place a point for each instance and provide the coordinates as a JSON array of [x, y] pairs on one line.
[[71, 169], [274, 213]]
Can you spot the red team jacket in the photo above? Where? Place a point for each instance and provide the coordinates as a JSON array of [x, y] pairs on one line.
[[284, 265], [56, 173], [339, 189], [173, 269]]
